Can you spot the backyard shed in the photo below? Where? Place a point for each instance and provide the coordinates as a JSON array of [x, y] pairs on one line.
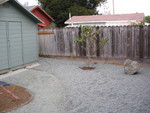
[[18, 35]]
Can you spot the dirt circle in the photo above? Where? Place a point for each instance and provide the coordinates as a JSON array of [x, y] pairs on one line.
[[87, 68], [12, 97]]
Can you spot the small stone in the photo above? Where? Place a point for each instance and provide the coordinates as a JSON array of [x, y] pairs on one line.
[[131, 67]]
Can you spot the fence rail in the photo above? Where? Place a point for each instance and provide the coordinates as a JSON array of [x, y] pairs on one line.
[[125, 42]]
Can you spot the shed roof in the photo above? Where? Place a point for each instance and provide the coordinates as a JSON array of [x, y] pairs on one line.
[[24, 10], [102, 18]]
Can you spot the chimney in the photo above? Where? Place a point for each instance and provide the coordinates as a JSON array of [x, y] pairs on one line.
[[69, 16], [113, 7]]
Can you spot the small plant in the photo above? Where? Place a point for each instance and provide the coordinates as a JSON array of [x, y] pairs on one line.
[[137, 24], [88, 34]]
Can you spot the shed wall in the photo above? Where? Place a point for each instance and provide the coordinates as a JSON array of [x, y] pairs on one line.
[[27, 31]]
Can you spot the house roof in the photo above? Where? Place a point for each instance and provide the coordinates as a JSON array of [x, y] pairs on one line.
[[32, 8], [21, 8], [103, 18]]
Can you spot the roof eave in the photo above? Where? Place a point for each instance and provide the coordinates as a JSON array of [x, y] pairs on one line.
[[99, 21], [43, 12]]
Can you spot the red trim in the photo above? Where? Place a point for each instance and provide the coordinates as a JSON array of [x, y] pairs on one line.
[[43, 12], [41, 24]]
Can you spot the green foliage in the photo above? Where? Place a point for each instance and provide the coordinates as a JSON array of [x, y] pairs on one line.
[[59, 9], [138, 24], [147, 19], [103, 41], [88, 34]]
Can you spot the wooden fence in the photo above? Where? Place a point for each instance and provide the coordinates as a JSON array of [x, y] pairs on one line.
[[125, 42]]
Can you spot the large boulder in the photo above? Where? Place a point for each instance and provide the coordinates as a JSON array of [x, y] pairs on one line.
[[131, 67]]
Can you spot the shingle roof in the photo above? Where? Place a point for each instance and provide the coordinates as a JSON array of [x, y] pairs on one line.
[[97, 18]]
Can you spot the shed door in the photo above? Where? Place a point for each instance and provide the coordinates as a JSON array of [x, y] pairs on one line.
[[15, 44], [3, 46]]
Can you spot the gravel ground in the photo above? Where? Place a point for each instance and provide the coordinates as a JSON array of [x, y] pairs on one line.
[[103, 90], [49, 95]]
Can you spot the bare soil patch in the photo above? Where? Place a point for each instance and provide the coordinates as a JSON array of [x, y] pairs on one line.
[[87, 68], [12, 97]]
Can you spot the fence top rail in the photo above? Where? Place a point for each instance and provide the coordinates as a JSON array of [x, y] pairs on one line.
[[96, 27]]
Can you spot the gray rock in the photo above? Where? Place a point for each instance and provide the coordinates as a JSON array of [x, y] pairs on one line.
[[131, 67]]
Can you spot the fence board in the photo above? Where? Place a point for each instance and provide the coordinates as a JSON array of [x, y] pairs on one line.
[[148, 41], [125, 42]]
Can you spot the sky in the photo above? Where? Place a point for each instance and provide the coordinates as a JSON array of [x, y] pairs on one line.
[[126, 6], [30, 2], [121, 6]]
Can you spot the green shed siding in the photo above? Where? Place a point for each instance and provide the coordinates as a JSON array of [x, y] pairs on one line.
[[18, 37], [15, 44], [3, 46]]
